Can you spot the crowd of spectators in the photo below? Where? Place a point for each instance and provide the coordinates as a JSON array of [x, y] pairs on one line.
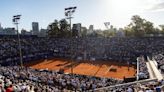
[[160, 62], [159, 59], [143, 70], [152, 86], [24, 79], [89, 48]]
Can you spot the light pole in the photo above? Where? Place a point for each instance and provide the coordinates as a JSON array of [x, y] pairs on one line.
[[16, 19], [107, 27], [68, 13], [137, 68]]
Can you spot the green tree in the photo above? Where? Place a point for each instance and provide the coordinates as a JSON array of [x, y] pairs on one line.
[[64, 28], [53, 29], [149, 28], [109, 33], [162, 29], [139, 27], [59, 29], [128, 31]]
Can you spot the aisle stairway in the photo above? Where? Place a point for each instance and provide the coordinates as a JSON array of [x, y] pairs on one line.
[[154, 70]]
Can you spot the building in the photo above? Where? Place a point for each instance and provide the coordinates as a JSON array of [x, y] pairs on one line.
[[76, 30], [24, 32], [35, 28], [0, 26], [91, 29], [9, 31], [83, 31], [43, 33], [1, 29]]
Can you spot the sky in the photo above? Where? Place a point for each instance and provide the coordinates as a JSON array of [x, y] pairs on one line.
[[95, 12]]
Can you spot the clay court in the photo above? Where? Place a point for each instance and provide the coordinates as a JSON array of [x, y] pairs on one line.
[[91, 68]]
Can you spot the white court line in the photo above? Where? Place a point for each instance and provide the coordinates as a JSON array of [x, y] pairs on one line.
[[108, 69]]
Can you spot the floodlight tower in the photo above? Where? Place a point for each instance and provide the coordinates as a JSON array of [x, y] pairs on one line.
[[68, 13], [16, 19], [107, 24]]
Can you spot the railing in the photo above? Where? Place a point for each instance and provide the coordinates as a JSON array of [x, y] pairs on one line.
[[104, 89], [137, 76], [156, 71], [154, 61], [162, 87]]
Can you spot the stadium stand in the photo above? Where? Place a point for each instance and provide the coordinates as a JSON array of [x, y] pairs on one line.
[[120, 49], [143, 71], [148, 85], [23, 79]]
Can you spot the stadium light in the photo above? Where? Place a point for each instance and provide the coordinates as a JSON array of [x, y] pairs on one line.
[[15, 20], [68, 13], [107, 24]]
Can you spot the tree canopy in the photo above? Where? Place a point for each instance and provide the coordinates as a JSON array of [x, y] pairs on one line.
[[138, 27], [59, 29]]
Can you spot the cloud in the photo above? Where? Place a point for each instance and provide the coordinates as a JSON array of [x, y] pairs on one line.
[[157, 7]]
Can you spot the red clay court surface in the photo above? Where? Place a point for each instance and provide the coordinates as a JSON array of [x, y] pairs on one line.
[[91, 68]]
